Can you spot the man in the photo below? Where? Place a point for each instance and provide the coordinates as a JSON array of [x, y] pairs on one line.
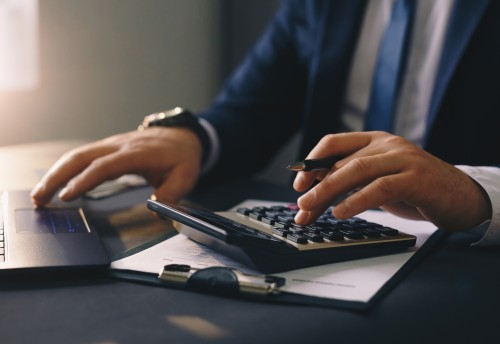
[[315, 70]]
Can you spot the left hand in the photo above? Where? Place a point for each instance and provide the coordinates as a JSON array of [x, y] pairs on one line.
[[389, 172]]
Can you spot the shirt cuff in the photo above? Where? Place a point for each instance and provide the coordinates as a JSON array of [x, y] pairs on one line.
[[489, 179], [213, 154]]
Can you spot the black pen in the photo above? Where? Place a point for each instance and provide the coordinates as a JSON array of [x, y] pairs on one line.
[[313, 164]]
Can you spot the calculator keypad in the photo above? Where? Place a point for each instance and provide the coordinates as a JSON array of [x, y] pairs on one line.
[[325, 229]]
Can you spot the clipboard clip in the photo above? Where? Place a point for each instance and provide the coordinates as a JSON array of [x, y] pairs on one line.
[[220, 280]]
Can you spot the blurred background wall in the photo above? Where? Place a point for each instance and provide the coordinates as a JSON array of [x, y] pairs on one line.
[[104, 64]]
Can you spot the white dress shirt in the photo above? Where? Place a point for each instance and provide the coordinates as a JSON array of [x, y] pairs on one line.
[[431, 21]]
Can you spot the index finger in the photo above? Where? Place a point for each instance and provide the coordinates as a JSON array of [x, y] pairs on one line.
[[69, 165], [342, 145]]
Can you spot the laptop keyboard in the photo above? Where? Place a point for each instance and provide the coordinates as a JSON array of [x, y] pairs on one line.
[[326, 229]]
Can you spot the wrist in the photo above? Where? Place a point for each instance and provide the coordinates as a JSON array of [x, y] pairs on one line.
[[181, 118]]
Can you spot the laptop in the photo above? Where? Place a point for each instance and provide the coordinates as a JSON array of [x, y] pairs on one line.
[[57, 237]]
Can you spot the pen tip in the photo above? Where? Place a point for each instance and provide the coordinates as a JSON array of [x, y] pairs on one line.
[[296, 166]]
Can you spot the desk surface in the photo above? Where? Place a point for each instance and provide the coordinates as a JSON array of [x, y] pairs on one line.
[[452, 296]]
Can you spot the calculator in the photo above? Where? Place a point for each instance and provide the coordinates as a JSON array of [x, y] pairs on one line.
[[268, 240]]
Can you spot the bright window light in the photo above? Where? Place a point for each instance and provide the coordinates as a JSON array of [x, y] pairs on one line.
[[18, 44]]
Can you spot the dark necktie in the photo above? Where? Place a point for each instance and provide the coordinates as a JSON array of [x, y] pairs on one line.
[[389, 68]]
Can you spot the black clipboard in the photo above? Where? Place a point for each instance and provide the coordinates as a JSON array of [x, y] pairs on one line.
[[225, 281]]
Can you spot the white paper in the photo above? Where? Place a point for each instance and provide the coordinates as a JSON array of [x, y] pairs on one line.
[[357, 280]]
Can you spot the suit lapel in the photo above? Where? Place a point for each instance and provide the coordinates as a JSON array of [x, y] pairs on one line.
[[464, 19], [335, 38]]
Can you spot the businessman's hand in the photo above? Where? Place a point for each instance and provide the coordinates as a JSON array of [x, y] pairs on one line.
[[168, 158], [389, 172]]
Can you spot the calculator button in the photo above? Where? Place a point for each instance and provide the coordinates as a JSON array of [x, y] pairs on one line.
[[259, 210], [285, 219], [282, 232], [318, 227], [272, 214], [332, 235], [313, 237], [255, 216], [282, 225], [351, 234], [267, 220], [243, 211], [299, 239], [278, 207], [389, 231], [297, 230], [371, 232], [337, 222]]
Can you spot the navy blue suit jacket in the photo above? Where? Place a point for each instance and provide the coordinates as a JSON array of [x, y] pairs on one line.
[[295, 79]]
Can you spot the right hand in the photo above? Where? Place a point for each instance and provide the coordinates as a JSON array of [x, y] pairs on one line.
[[168, 158]]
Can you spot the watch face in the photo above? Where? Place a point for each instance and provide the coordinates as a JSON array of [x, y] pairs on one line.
[[169, 113], [173, 117]]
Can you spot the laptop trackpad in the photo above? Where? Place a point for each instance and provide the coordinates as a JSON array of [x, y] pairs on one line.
[[50, 221]]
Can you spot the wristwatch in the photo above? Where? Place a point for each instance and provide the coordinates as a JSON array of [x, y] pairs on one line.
[[178, 117]]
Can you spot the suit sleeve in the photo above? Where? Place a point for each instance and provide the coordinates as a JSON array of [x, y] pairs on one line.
[[260, 106]]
